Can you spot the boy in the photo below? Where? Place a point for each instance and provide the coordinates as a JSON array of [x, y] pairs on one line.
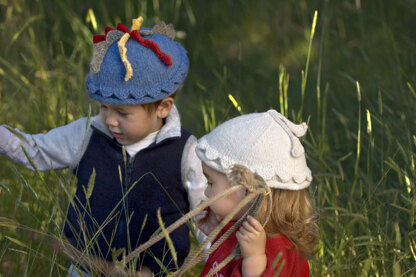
[[135, 151]]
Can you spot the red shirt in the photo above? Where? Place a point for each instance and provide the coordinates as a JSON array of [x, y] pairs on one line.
[[295, 265]]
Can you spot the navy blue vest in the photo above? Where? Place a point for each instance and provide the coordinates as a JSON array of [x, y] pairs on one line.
[[121, 211]]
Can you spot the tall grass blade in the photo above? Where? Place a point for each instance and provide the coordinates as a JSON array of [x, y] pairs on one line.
[[305, 72], [358, 147], [168, 239]]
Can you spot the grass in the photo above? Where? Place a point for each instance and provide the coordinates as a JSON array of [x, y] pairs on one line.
[[354, 83]]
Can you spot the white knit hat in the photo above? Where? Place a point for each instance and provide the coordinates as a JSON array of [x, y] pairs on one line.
[[266, 143]]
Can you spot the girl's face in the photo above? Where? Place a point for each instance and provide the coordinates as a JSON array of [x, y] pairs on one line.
[[217, 182]]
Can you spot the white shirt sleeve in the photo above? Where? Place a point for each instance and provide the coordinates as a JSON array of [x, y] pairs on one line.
[[56, 149], [193, 178]]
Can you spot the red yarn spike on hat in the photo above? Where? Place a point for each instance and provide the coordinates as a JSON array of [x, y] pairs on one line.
[[152, 46], [108, 29], [123, 28], [98, 38]]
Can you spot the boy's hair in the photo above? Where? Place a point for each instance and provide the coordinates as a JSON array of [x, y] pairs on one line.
[[292, 212], [151, 107]]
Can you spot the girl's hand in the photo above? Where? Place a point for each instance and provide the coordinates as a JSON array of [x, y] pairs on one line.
[[206, 221], [252, 240]]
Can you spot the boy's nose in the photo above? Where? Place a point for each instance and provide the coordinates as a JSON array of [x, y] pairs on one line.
[[111, 119]]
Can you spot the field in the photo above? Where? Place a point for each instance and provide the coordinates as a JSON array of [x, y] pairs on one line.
[[346, 67]]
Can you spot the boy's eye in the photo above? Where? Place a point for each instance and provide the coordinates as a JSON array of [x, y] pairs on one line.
[[122, 113]]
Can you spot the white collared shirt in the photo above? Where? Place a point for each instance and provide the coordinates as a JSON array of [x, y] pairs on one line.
[[134, 148]]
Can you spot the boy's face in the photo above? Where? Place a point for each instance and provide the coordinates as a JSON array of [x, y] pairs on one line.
[[217, 182], [129, 123]]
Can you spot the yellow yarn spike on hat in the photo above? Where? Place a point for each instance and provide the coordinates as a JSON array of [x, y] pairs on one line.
[[137, 23]]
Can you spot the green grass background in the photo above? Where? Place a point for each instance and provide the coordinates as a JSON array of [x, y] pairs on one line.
[[354, 83]]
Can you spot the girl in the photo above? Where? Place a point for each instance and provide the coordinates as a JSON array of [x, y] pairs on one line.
[[253, 150]]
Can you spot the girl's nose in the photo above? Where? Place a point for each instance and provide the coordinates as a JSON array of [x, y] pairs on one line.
[[206, 192]]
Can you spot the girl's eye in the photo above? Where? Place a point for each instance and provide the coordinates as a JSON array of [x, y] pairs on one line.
[[209, 184]]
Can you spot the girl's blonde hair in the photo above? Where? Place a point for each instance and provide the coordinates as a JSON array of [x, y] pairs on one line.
[[292, 215]]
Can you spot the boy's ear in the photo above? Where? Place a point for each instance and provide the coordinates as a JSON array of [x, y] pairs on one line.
[[164, 107]]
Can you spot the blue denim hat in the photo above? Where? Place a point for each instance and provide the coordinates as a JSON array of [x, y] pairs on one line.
[[152, 77]]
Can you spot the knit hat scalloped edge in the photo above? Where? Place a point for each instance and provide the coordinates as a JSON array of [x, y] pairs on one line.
[[212, 158]]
